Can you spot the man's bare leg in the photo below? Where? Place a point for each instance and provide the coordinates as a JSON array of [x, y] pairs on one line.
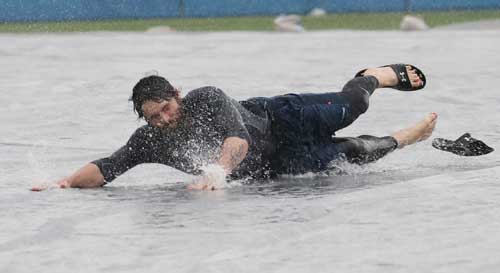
[[418, 132], [387, 77]]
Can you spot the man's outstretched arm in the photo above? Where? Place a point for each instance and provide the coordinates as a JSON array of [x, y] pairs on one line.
[[98, 172], [89, 176]]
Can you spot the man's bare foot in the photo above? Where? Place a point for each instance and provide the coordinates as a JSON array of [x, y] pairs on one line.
[[420, 131], [387, 77]]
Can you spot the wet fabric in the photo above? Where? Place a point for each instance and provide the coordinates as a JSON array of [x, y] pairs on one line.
[[208, 117], [304, 125], [287, 134]]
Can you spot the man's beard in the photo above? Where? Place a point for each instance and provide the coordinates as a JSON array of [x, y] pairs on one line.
[[174, 122], [177, 118]]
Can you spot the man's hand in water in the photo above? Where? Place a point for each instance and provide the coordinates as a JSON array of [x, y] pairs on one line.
[[213, 177], [59, 184], [89, 176], [234, 150]]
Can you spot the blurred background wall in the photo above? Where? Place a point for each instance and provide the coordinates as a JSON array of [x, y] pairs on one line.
[[62, 10]]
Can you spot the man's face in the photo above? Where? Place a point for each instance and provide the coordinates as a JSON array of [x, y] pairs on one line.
[[162, 114]]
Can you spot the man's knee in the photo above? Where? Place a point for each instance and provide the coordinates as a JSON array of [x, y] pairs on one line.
[[357, 92], [360, 103]]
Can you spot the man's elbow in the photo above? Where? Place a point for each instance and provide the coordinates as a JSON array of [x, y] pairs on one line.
[[89, 176], [245, 144], [84, 184]]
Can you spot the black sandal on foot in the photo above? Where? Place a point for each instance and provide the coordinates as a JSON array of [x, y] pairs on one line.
[[404, 83]]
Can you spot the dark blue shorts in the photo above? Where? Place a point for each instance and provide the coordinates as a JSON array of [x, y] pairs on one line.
[[304, 126]]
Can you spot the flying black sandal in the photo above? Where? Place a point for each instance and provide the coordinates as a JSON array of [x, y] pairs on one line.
[[404, 83], [464, 146]]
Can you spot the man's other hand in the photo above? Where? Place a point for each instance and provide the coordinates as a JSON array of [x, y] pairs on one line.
[[60, 184]]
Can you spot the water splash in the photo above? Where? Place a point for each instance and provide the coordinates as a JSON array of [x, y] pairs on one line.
[[335, 168], [215, 175]]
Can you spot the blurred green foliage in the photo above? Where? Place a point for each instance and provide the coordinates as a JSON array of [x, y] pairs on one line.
[[358, 21]]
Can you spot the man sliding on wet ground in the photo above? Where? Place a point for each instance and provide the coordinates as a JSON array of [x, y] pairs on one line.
[[210, 135]]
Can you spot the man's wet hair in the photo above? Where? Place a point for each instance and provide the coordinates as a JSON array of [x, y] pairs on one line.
[[153, 88]]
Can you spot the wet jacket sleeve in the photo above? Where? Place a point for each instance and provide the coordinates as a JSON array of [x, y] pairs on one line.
[[135, 152]]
